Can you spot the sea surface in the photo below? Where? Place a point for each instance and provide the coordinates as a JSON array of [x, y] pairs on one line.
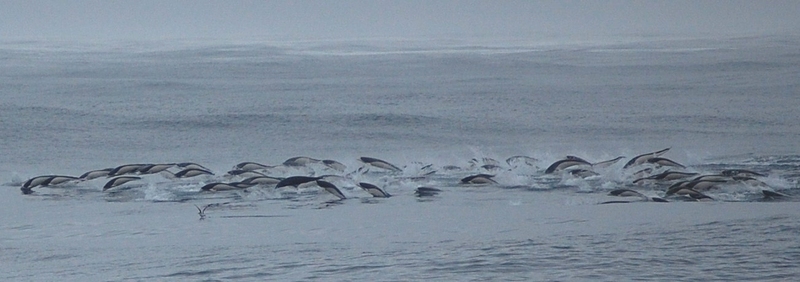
[[439, 111]]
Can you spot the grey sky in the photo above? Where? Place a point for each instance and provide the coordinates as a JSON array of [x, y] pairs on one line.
[[348, 19]]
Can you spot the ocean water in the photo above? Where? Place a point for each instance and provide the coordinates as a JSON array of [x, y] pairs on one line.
[[440, 110]]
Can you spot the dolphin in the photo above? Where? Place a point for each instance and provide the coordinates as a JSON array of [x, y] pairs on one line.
[[570, 161], [188, 165], [694, 185], [426, 191], [632, 193], [114, 182], [262, 180], [640, 159], [219, 186], [251, 166], [625, 193], [92, 174], [666, 176], [154, 168], [45, 180], [192, 172], [58, 179], [35, 181], [300, 161], [125, 169], [690, 192], [379, 163], [296, 181], [713, 177], [373, 190], [331, 189], [244, 173], [478, 179]]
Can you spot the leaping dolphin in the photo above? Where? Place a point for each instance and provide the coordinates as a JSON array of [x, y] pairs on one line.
[[640, 159], [373, 190], [379, 163], [331, 189], [114, 182]]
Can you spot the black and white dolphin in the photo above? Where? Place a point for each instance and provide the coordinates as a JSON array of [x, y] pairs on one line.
[[640, 159], [45, 180], [632, 193], [666, 176], [426, 191], [190, 165], [154, 168], [114, 182], [125, 169], [219, 186], [688, 192], [243, 173], [331, 189], [478, 179], [565, 163], [35, 181], [379, 163], [192, 172], [300, 161], [696, 185], [296, 181], [92, 174], [713, 177], [705, 185], [625, 193], [58, 179], [262, 180], [373, 190], [251, 166]]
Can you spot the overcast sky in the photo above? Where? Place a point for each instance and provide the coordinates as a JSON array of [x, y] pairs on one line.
[[350, 19]]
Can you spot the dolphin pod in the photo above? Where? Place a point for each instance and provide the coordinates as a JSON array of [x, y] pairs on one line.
[[660, 177]]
